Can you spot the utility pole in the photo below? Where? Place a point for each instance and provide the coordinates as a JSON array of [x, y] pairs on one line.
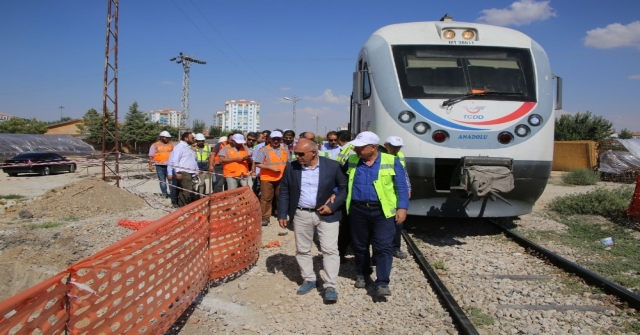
[[111, 84], [317, 120], [61, 108], [186, 61], [293, 99]]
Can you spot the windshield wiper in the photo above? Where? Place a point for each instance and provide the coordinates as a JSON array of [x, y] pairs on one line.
[[477, 93]]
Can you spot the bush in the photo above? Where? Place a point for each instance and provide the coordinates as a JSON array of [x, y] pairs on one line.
[[600, 201], [581, 177]]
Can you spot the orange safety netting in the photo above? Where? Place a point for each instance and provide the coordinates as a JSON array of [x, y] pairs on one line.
[[144, 282], [133, 224], [634, 207]]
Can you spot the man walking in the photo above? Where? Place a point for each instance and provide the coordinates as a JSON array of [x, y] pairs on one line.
[[235, 159], [159, 156], [186, 167], [377, 200], [332, 147], [306, 186], [271, 159]]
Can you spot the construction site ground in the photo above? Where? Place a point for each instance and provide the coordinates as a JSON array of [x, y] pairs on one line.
[[76, 215]]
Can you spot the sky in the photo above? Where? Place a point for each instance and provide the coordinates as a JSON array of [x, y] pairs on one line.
[[264, 50]]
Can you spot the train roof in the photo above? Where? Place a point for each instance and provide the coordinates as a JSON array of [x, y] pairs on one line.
[[430, 32]]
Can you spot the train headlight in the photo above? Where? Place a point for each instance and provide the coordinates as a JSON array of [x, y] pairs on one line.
[[449, 34], [440, 136], [468, 34], [535, 120], [406, 116], [421, 128], [522, 130], [505, 137]]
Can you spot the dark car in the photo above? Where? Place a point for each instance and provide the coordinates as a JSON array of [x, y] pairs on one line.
[[44, 163]]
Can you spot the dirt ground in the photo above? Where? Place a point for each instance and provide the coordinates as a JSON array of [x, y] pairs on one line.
[[75, 215]]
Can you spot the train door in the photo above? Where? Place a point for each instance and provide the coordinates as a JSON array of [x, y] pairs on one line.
[[360, 107]]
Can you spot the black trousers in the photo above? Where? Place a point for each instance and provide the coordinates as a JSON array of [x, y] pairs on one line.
[[344, 233]]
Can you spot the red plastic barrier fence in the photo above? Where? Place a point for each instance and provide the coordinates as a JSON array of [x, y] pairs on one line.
[[634, 207], [144, 282]]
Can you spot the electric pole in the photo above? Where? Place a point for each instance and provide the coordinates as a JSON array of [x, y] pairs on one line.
[[317, 120], [293, 99], [186, 61], [110, 90], [61, 108]]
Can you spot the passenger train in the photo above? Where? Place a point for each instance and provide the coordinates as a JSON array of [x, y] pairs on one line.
[[474, 104]]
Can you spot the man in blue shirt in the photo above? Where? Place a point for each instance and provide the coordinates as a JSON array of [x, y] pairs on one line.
[[377, 200]]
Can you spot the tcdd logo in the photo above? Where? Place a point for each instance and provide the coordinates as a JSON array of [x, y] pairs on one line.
[[474, 117], [474, 109]]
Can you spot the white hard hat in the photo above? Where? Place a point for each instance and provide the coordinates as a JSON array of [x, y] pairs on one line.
[[396, 141], [165, 133], [200, 137], [365, 138], [238, 138], [222, 139]]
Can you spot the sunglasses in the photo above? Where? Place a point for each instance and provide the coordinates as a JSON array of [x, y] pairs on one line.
[[301, 154], [333, 140], [251, 139], [277, 138]]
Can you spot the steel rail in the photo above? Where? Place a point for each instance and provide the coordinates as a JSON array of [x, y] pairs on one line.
[[465, 326], [632, 299]]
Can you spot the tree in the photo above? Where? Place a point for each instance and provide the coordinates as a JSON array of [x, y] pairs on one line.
[[625, 134], [198, 126], [23, 126], [582, 127], [92, 127], [62, 119], [137, 128], [215, 131]]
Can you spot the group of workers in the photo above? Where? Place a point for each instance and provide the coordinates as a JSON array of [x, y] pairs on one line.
[[345, 192]]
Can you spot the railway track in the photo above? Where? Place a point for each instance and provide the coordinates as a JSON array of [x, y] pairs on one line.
[[525, 280]]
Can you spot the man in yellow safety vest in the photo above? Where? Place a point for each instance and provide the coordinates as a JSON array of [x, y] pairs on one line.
[[377, 201], [203, 151]]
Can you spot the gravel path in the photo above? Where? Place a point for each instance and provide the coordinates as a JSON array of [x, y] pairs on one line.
[[519, 293]]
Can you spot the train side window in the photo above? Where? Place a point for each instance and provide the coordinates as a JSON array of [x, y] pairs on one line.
[[366, 84]]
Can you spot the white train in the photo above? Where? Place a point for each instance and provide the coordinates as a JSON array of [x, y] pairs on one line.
[[474, 104]]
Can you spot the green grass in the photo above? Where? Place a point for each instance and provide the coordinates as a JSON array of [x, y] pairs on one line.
[[581, 177], [439, 265], [574, 285], [69, 218], [477, 317], [619, 263], [11, 196], [44, 225], [606, 202]]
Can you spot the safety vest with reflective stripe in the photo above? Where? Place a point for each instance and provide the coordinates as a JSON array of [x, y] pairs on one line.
[[271, 159], [235, 169], [400, 156], [202, 154], [344, 154], [324, 154], [383, 185], [162, 152]]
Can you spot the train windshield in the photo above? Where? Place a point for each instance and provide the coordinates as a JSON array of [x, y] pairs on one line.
[[437, 71]]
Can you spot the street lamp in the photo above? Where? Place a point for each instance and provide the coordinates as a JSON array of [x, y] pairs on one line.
[[293, 99]]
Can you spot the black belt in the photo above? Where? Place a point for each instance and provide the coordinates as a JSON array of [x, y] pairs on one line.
[[306, 209], [366, 204]]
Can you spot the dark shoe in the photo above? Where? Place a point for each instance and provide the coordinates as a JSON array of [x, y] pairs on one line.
[[175, 205], [330, 294], [306, 287], [400, 254], [265, 222], [383, 291], [362, 281]]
